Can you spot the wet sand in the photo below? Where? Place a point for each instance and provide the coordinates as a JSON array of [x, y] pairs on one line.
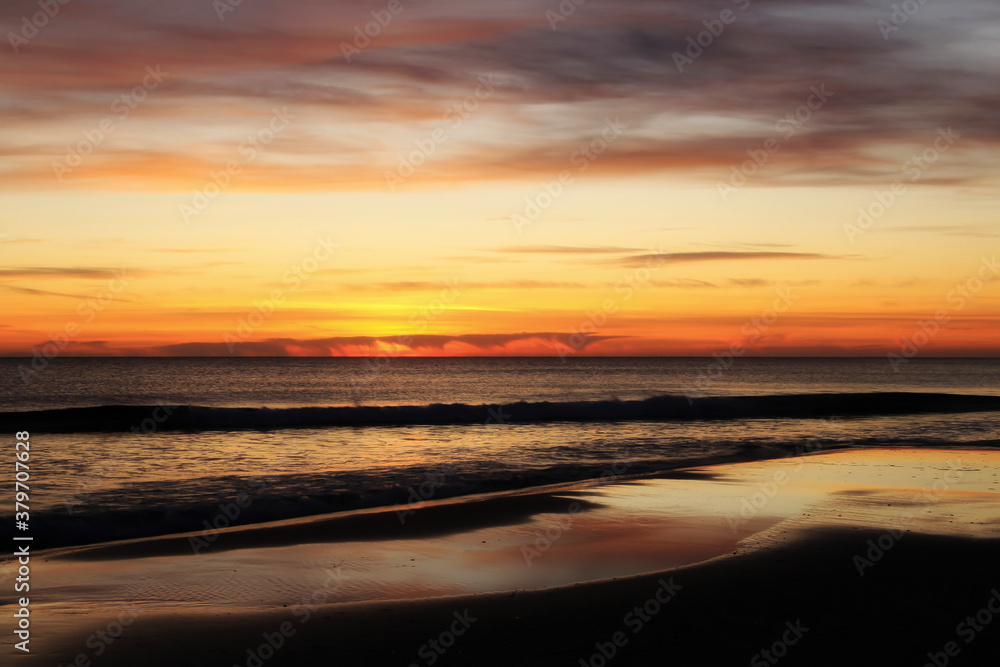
[[853, 557]]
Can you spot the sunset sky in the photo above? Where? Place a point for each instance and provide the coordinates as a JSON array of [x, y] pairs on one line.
[[499, 177]]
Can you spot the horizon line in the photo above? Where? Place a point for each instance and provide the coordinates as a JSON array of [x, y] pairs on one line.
[[497, 356]]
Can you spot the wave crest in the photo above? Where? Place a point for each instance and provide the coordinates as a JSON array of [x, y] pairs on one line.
[[136, 418]]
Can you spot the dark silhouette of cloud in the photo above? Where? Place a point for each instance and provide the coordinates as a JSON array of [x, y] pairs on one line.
[[361, 345]]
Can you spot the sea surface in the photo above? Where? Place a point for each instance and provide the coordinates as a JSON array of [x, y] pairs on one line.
[[145, 446]]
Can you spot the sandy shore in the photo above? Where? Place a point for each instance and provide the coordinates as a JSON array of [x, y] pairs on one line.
[[849, 558]]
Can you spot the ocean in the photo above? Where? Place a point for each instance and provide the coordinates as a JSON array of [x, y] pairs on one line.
[[132, 447]]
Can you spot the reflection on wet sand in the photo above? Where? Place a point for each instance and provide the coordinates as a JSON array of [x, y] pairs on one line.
[[528, 540]]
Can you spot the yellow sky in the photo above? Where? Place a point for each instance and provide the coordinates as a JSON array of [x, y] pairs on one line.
[[496, 186]]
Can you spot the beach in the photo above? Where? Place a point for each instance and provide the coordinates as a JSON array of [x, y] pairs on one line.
[[545, 333], [858, 556]]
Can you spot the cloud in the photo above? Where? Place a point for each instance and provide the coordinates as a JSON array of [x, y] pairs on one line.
[[61, 272], [945, 230], [750, 282], [718, 256], [184, 251], [38, 292], [566, 250], [413, 285], [341, 272], [691, 283], [746, 245], [683, 283], [557, 87], [372, 345]]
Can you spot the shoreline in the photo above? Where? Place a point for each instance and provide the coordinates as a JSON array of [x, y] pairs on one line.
[[361, 590], [542, 484], [687, 467]]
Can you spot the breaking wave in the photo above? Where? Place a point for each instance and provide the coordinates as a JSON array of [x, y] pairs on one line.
[[124, 418]]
